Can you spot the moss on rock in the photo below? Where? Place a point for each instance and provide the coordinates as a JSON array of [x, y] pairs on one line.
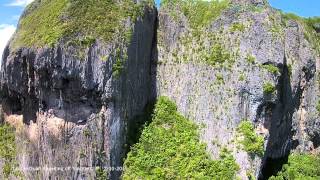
[[199, 13], [46, 22]]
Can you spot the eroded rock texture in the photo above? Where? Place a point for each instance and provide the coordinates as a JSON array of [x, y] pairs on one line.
[[218, 95], [71, 109]]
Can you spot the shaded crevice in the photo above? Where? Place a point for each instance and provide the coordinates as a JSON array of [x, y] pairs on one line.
[[154, 59], [272, 166], [315, 138], [313, 133], [280, 126], [10, 102], [20, 100], [137, 124], [134, 124], [265, 110], [29, 101]]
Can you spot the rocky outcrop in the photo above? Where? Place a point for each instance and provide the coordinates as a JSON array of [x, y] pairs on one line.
[[218, 96], [76, 106], [72, 110]]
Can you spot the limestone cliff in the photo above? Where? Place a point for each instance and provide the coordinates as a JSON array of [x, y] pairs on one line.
[[74, 82], [71, 100], [221, 72]]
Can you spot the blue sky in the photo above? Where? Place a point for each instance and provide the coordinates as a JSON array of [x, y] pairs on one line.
[[10, 11], [305, 8]]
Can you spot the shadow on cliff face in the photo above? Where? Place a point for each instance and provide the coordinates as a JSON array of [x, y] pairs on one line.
[[315, 138], [28, 91], [280, 126], [279, 142], [23, 100], [136, 125]]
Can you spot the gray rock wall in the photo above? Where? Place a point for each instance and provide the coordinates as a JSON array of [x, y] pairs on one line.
[[71, 110], [219, 97], [69, 107]]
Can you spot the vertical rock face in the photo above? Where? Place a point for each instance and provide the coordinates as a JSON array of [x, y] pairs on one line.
[[72, 102], [72, 110], [256, 49]]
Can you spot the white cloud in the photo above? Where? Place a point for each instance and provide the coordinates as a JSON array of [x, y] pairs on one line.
[[20, 3], [6, 32]]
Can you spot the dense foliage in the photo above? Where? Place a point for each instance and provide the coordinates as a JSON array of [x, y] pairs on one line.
[[169, 148], [46, 21], [268, 88], [199, 13], [271, 68], [250, 59], [8, 149], [237, 27], [252, 143], [217, 55], [300, 167], [101, 174]]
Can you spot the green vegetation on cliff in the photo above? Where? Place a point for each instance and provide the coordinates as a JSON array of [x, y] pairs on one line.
[[268, 88], [271, 68], [311, 27], [101, 174], [252, 143], [170, 148], [46, 22], [251, 59], [237, 27], [8, 149], [300, 167], [198, 12], [217, 55], [318, 106]]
